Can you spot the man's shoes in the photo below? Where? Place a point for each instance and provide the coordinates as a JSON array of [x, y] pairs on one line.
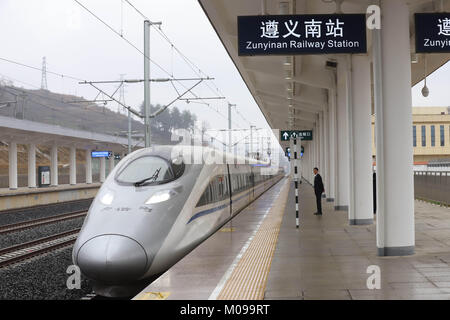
[[317, 213]]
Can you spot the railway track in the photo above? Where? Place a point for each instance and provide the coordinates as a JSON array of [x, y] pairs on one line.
[[25, 251], [41, 221], [46, 206]]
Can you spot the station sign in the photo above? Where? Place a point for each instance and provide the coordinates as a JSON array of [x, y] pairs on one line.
[[432, 32], [302, 34], [286, 135], [100, 154]]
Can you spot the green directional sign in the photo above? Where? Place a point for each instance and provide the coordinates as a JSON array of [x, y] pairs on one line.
[[286, 135]]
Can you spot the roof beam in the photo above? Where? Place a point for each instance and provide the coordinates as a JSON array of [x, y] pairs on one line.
[[297, 101]]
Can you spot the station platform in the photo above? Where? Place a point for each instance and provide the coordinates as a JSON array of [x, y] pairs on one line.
[[25, 197], [261, 255]]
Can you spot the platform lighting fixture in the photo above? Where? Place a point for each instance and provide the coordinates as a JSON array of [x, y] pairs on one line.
[[331, 64], [287, 62], [288, 75], [284, 7], [338, 5], [289, 87], [425, 90]]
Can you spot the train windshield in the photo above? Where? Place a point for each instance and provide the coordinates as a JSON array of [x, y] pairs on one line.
[[146, 170]]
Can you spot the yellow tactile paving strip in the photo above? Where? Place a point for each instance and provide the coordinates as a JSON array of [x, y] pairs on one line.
[[152, 296], [248, 279]]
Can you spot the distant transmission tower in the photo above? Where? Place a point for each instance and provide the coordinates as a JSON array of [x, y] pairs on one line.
[[44, 75], [121, 94]]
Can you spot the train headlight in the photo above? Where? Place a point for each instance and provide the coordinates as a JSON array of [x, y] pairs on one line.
[[107, 198], [161, 196]]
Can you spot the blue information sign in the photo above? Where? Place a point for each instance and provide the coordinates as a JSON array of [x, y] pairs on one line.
[[100, 154]]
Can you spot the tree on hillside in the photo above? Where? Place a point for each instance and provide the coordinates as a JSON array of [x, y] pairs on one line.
[[171, 119]]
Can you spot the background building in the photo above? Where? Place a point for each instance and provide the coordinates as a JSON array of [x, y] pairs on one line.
[[431, 135]]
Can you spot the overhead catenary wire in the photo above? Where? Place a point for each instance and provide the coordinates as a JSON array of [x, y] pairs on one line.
[[40, 69], [135, 47], [188, 61]]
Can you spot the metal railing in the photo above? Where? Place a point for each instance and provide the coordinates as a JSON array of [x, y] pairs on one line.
[[432, 186]]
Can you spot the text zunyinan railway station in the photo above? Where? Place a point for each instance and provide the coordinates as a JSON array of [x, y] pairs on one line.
[[302, 44]]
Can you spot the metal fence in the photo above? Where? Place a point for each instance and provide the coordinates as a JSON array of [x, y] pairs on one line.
[[432, 186]]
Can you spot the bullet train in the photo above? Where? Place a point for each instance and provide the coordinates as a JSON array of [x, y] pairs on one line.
[[155, 207]]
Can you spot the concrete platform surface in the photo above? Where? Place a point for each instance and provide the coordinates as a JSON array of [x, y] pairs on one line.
[[25, 197], [6, 192], [325, 258]]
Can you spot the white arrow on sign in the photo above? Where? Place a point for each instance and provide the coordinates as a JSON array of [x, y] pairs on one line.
[[286, 135]]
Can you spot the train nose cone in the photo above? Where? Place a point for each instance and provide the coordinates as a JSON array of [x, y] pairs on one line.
[[112, 259]]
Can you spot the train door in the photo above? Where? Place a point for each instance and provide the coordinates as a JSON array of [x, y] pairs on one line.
[[252, 182], [230, 189]]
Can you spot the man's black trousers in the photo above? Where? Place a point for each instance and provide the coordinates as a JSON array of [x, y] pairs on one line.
[[319, 202]]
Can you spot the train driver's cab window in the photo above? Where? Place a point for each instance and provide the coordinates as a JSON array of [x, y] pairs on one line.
[[146, 170]]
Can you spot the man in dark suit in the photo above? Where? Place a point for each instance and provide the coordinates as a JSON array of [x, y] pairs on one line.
[[318, 190]]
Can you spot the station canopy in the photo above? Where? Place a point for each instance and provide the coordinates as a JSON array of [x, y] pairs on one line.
[[302, 80]]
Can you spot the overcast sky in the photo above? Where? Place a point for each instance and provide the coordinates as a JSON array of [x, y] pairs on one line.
[[77, 44]]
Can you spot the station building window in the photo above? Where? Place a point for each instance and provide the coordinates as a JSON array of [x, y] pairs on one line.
[[442, 134], [414, 136], [424, 142], [433, 136]]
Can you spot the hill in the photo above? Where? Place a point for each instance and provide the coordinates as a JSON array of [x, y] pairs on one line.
[[53, 108]]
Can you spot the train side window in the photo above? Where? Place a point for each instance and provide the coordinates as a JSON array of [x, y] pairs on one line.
[[213, 191], [203, 199], [217, 190]]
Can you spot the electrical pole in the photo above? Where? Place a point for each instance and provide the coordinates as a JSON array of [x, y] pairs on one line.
[[147, 24], [147, 83], [44, 74], [120, 103], [229, 125], [129, 132], [251, 140]]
